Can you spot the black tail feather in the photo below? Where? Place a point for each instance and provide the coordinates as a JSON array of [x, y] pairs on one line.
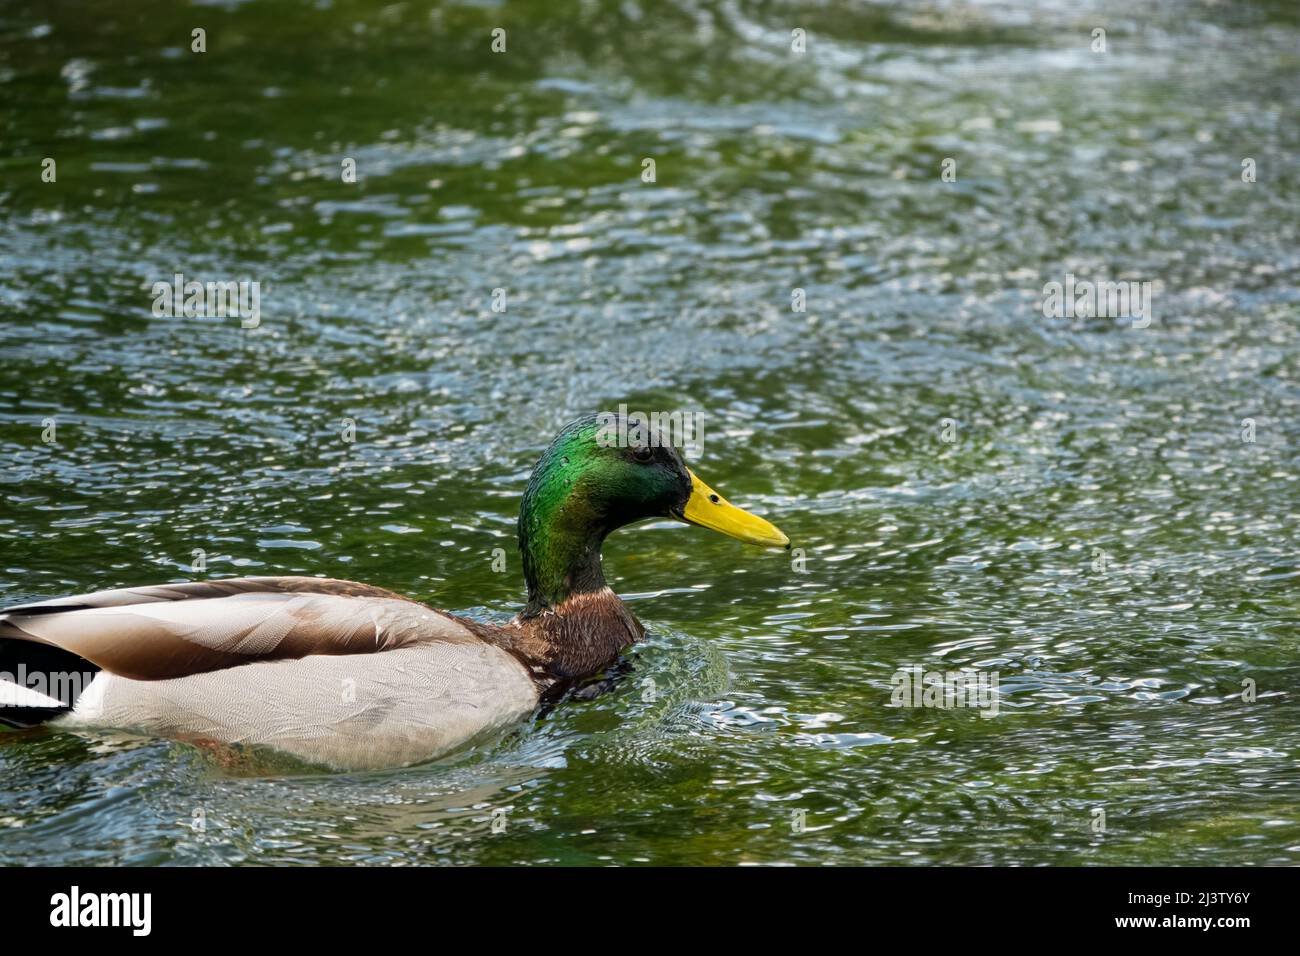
[[21, 718], [49, 670]]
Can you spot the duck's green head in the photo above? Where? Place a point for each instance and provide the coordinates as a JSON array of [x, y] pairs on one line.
[[599, 475]]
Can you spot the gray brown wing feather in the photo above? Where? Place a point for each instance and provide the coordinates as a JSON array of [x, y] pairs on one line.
[[175, 630]]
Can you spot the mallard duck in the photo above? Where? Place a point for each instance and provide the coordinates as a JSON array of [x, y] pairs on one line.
[[351, 675]]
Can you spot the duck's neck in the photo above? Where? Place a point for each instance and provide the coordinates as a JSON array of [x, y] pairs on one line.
[[560, 540], [574, 625]]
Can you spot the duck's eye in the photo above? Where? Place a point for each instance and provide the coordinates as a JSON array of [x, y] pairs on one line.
[[643, 453]]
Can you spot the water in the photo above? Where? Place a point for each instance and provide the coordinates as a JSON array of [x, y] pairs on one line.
[[1098, 534]]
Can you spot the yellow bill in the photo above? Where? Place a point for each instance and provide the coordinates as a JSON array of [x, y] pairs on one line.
[[708, 509]]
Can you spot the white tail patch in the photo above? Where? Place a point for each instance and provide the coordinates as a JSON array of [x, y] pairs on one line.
[[90, 705], [15, 695]]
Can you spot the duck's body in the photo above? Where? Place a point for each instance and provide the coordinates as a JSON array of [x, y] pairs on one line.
[[329, 671], [345, 674]]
